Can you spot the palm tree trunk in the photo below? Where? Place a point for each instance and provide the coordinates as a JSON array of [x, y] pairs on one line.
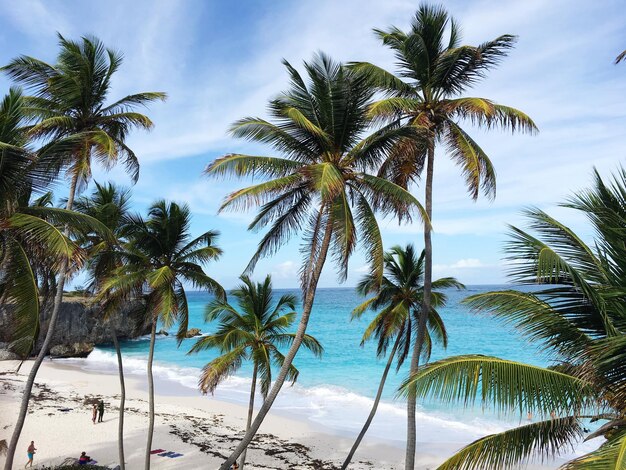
[[307, 306], [120, 428], [366, 426], [250, 412], [150, 394], [28, 386], [411, 433]]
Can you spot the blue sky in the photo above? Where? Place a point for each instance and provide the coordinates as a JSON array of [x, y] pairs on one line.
[[220, 61]]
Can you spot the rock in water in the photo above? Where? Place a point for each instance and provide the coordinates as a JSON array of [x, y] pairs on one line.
[[192, 332]]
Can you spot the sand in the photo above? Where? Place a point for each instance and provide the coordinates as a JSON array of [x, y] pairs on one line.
[[201, 428]]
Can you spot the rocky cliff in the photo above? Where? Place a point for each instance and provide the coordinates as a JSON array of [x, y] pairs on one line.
[[80, 327]]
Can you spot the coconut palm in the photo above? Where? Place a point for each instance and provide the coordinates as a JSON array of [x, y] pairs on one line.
[[434, 70], [110, 204], [398, 301], [159, 257], [253, 332], [69, 101], [28, 232], [32, 236], [319, 185], [580, 317]]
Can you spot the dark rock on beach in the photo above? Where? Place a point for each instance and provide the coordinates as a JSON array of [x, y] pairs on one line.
[[79, 328], [71, 350]]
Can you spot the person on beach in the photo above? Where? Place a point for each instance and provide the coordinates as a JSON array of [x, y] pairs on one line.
[[235, 466], [84, 459], [100, 411], [94, 413], [31, 454]]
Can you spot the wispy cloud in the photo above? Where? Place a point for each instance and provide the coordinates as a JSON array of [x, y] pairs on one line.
[[221, 61]]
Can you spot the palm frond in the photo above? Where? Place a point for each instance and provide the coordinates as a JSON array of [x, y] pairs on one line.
[[544, 439], [477, 168], [19, 291], [502, 384], [610, 456], [220, 368]]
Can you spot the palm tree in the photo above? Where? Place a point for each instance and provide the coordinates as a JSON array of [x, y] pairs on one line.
[[110, 204], [29, 234], [434, 69], [159, 257], [580, 317], [254, 332], [69, 102], [399, 302], [320, 185]]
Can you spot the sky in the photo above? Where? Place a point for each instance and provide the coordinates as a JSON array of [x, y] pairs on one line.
[[220, 61]]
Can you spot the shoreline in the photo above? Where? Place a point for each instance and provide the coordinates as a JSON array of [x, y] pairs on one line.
[[201, 428]]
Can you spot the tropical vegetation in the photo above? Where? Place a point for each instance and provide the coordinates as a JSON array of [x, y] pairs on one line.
[[68, 104], [434, 70], [320, 186], [345, 147], [159, 258], [109, 204], [255, 331], [398, 301], [579, 317]]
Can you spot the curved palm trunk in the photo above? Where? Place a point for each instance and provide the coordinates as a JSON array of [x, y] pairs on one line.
[[120, 429], [28, 386], [411, 433], [150, 394], [366, 426], [250, 412], [282, 374]]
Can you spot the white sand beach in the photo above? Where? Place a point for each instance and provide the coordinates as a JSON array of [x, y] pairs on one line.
[[203, 429]]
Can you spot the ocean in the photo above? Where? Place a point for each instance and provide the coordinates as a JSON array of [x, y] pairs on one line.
[[335, 392]]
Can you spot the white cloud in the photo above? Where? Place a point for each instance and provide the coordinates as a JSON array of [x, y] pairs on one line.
[[560, 73], [366, 268], [287, 270], [467, 263]]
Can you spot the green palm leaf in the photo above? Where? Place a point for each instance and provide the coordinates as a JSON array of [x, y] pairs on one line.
[[508, 449], [18, 288], [610, 456], [477, 168], [502, 384]]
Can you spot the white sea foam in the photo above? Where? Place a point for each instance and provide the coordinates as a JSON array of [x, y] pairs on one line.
[[336, 408]]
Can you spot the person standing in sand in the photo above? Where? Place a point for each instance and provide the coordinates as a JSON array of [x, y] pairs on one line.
[[94, 413], [100, 411], [31, 454]]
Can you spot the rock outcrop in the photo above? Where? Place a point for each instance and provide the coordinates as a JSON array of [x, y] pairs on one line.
[[193, 332], [72, 350], [80, 327]]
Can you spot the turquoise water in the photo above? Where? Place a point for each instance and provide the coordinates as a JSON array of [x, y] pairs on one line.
[[336, 391], [345, 363]]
